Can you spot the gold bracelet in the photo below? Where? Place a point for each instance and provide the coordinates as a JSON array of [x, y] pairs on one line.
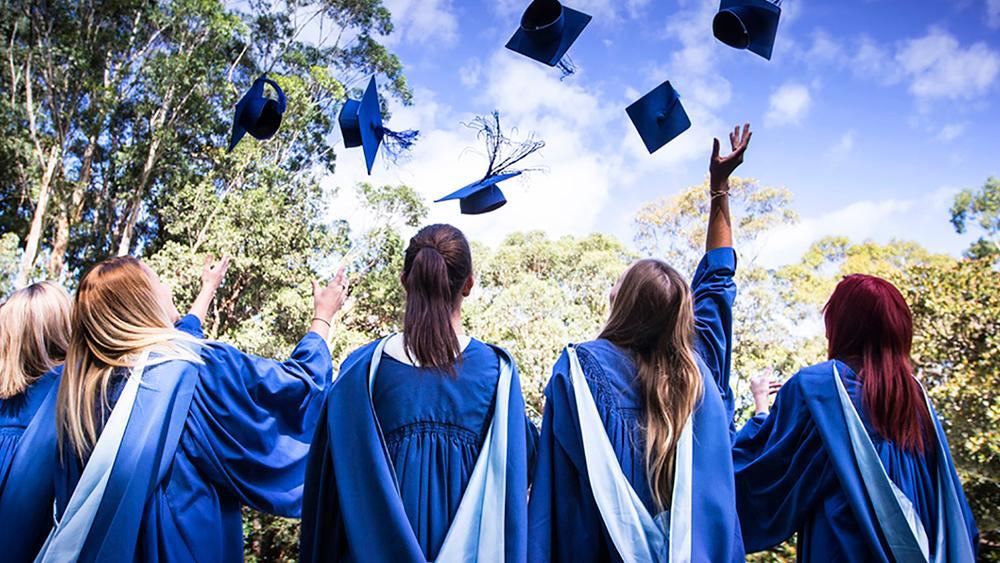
[[720, 193], [323, 321]]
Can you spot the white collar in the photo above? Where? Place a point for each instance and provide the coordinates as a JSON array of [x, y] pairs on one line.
[[394, 347]]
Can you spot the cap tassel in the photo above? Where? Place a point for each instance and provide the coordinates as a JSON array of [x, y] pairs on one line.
[[398, 143], [566, 67]]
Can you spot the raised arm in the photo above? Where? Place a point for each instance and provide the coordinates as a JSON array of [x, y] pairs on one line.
[[212, 274], [720, 227]]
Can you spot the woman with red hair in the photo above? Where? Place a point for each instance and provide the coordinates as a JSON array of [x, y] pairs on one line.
[[852, 456]]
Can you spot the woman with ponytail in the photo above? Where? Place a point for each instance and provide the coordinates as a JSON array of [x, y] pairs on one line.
[[634, 454], [34, 335], [158, 437], [423, 452], [852, 457]]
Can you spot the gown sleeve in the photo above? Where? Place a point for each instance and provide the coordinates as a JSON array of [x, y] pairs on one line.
[[191, 325], [564, 524], [252, 419], [782, 470], [714, 294]]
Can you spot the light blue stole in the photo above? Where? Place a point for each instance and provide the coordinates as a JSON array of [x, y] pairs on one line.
[[638, 536], [901, 526], [477, 530], [66, 539]]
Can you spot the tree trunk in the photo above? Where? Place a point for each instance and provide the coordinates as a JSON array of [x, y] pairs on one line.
[[71, 212], [38, 219], [128, 231], [155, 123]]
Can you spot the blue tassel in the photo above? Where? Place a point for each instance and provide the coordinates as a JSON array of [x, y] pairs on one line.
[[399, 143], [566, 66]]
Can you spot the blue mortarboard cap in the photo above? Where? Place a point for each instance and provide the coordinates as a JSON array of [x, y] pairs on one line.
[[547, 30], [748, 24], [659, 116], [361, 123], [258, 115], [482, 196]]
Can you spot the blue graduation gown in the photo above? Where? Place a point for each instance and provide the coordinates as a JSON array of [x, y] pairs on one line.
[[434, 427], [564, 521], [796, 472], [234, 432], [17, 412]]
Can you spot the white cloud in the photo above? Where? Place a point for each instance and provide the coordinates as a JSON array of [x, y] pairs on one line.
[[923, 218], [430, 22], [993, 13], [951, 131], [469, 72], [824, 48], [788, 105], [840, 150], [582, 162], [938, 67]]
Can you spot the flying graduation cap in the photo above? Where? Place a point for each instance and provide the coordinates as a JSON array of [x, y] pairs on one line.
[[547, 31], [483, 195], [748, 24], [256, 114], [659, 116], [361, 126]]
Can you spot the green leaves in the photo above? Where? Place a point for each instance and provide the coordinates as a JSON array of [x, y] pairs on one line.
[[983, 208]]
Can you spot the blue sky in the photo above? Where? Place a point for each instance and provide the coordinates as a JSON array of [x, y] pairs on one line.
[[873, 112]]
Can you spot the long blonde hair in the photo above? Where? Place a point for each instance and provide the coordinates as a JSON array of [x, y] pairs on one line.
[[115, 318], [34, 335], [652, 314]]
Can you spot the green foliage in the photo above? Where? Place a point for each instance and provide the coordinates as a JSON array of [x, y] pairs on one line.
[[9, 257], [982, 208], [535, 295], [956, 351]]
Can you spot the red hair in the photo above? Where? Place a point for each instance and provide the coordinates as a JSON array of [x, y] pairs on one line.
[[869, 322]]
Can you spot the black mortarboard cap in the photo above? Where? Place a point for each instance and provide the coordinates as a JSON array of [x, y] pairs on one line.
[[659, 116], [748, 24], [547, 30], [256, 114]]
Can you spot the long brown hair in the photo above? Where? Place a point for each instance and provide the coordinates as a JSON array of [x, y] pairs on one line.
[[652, 315], [436, 267], [116, 317], [34, 335], [868, 322]]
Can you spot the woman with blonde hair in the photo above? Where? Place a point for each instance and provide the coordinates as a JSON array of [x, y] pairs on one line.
[[161, 437], [634, 456], [34, 336]]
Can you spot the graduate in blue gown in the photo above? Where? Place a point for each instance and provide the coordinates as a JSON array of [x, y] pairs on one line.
[[661, 488], [34, 335], [207, 430], [852, 457], [424, 451]]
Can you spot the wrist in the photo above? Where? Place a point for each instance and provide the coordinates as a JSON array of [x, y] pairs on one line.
[[718, 184], [323, 315]]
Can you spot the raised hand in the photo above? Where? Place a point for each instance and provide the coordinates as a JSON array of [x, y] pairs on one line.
[[212, 273], [762, 387], [721, 167], [328, 299]]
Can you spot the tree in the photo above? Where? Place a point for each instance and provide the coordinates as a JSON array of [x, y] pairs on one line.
[[535, 295], [956, 352], [983, 208]]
